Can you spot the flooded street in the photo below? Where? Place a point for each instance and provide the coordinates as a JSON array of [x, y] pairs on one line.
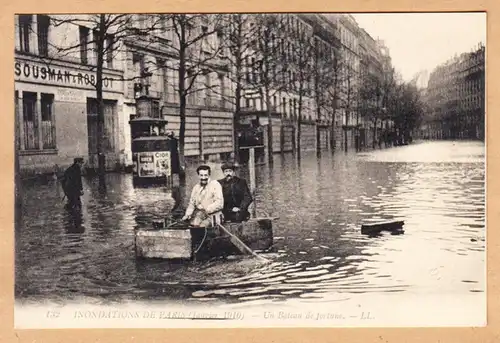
[[319, 254]]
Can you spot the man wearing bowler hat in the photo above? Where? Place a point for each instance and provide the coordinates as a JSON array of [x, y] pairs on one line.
[[237, 197]]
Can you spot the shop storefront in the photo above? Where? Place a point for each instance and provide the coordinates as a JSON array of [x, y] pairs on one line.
[[56, 114]]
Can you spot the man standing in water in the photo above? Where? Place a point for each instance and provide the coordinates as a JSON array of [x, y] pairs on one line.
[[72, 184], [206, 200], [237, 197]]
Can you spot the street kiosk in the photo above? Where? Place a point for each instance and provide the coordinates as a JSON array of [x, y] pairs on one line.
[[155, 155]]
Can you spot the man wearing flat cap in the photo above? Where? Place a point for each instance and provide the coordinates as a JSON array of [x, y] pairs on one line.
[[72, 184], [237, 197]]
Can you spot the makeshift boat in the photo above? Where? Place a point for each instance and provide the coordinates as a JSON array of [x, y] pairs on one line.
[[181, 241], [395, 227]]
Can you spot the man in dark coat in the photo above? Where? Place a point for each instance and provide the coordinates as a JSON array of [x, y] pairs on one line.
[[237, 197], [72, 184]]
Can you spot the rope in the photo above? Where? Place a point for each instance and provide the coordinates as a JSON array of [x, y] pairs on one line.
[[202, 241]]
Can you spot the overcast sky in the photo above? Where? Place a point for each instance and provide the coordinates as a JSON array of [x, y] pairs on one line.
[[421, 41]]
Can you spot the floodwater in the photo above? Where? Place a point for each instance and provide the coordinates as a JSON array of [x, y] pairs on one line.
[[437, 188]]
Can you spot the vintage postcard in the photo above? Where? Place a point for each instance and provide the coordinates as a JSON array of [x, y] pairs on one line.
[[250, 170]]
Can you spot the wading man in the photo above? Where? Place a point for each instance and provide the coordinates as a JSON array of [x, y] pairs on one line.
[[72, 184], [206, 200], [237, 197]]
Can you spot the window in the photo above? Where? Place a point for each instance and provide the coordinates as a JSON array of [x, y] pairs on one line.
[[208, 88], [222, 90], [84, 41], [109, 50], [284, 106], [220, 42], [254, 72], [24, 32], [30, 123], [43, 22], [248, 69], [48, 127], [155, 109], [95, 37], [32, 131]]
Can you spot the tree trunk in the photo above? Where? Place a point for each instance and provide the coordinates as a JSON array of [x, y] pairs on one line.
[[269, 127], [318, 136], [236, 119], [332, 134], [238, 91], [374, 143], [101, 158], [182, 103], [299, 127], [318, 140]]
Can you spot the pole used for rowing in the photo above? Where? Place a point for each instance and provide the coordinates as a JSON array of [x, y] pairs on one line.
[[251, 168]]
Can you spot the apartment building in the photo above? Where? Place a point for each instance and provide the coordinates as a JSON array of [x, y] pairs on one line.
[[55, 110], [55, 79], [209, 107], [55, 82], [456, 98]]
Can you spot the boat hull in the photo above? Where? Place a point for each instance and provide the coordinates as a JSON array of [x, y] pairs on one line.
[[187, 243]]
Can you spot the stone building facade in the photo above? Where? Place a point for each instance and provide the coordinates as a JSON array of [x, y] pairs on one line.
[[55, 93], [456, 98], [55, 106]]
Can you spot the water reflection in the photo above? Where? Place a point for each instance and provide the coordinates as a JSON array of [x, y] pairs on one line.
[[319, 252]]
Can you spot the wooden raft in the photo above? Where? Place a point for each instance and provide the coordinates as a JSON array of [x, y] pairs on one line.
[[395, 227], [185, 242]]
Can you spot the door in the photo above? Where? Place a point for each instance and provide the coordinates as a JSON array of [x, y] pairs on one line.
[[108, 141]]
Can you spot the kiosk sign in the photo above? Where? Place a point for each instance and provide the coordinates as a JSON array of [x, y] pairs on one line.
[[154, 164]]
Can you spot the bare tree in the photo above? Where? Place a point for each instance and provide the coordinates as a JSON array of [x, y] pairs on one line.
[[408, 108], [196, 53], [239, 35], [370, 92], [327, 79], [269, 48], [348, 95], [301, 62], [108, 33]]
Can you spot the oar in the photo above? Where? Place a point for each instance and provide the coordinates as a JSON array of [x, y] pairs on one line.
[[240, 245], [174, 223]]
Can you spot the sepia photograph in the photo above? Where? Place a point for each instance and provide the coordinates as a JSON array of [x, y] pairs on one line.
[[199, 170]]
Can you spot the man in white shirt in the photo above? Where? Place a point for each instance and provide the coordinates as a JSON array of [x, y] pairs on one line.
[[206, 202]]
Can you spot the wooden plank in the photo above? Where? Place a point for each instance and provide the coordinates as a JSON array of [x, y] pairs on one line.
[[384, 226], [251, 167], [166, 244]]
